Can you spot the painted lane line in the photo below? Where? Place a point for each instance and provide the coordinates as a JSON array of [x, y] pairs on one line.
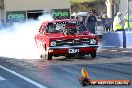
[[24, 78], [1, 78]]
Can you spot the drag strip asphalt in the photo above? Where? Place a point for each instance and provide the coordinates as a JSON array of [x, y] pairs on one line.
[[65, 73], [67, 76], [1, 78], [12, 76]]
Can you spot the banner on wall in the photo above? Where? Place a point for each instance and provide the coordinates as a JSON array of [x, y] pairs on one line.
[[15, 16], [20, 16], [58, 13], [61, 13]]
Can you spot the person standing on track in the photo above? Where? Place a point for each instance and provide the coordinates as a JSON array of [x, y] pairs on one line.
[[91, 21]]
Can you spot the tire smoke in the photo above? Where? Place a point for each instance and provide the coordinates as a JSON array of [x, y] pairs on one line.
[[17, 41]]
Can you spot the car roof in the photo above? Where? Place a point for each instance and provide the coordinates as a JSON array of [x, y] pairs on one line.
[[62, 20], [82, 14]]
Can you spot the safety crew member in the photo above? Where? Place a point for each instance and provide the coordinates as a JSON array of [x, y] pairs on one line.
[[126, 20], [118, 22]]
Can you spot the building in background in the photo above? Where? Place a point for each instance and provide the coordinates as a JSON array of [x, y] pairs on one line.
[[122, 6], [113, 6], [21, 10]]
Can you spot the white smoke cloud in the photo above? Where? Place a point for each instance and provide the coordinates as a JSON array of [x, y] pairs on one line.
[[18, 42]]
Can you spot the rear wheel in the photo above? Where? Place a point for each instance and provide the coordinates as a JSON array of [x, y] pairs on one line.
[[46, 56], [40, 50], [93, 54], [43, 52]]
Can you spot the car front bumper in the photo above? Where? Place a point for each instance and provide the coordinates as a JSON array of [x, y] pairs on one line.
[[79, 49], [77, 46]]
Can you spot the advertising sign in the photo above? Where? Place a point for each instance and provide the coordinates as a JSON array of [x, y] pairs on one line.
[[15, 16], [64, 13]]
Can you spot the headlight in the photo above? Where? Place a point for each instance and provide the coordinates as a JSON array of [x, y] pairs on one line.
[[53, 43], [92, 41]]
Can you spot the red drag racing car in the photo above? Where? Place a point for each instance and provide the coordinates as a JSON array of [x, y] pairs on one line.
[[67, 37]]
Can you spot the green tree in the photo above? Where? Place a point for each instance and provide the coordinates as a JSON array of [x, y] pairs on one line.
[[82, 1], [85, 5]]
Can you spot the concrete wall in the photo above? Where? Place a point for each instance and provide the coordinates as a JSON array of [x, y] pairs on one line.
[[21, 5], [117, 39]]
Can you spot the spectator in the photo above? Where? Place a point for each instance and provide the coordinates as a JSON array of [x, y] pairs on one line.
[[107, 23], [91, 22], [118, 22]]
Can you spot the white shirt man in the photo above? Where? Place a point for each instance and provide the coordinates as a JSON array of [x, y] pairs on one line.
[[118, 21]]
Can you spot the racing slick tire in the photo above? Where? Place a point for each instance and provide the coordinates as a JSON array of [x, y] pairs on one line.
[[43, 52], [46, 56], [93, 55]]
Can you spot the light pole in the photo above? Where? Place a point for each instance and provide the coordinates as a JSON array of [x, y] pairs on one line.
[[124, 33], [128, 11]]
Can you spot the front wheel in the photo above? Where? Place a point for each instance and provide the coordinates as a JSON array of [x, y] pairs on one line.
[[45, 55], [48, 57], [93, 54]]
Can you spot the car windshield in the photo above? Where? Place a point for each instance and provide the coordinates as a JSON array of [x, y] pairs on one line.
[[81, 26], [57, 27]]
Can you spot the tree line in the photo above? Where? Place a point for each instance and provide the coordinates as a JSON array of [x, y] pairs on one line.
[[86, 5]]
